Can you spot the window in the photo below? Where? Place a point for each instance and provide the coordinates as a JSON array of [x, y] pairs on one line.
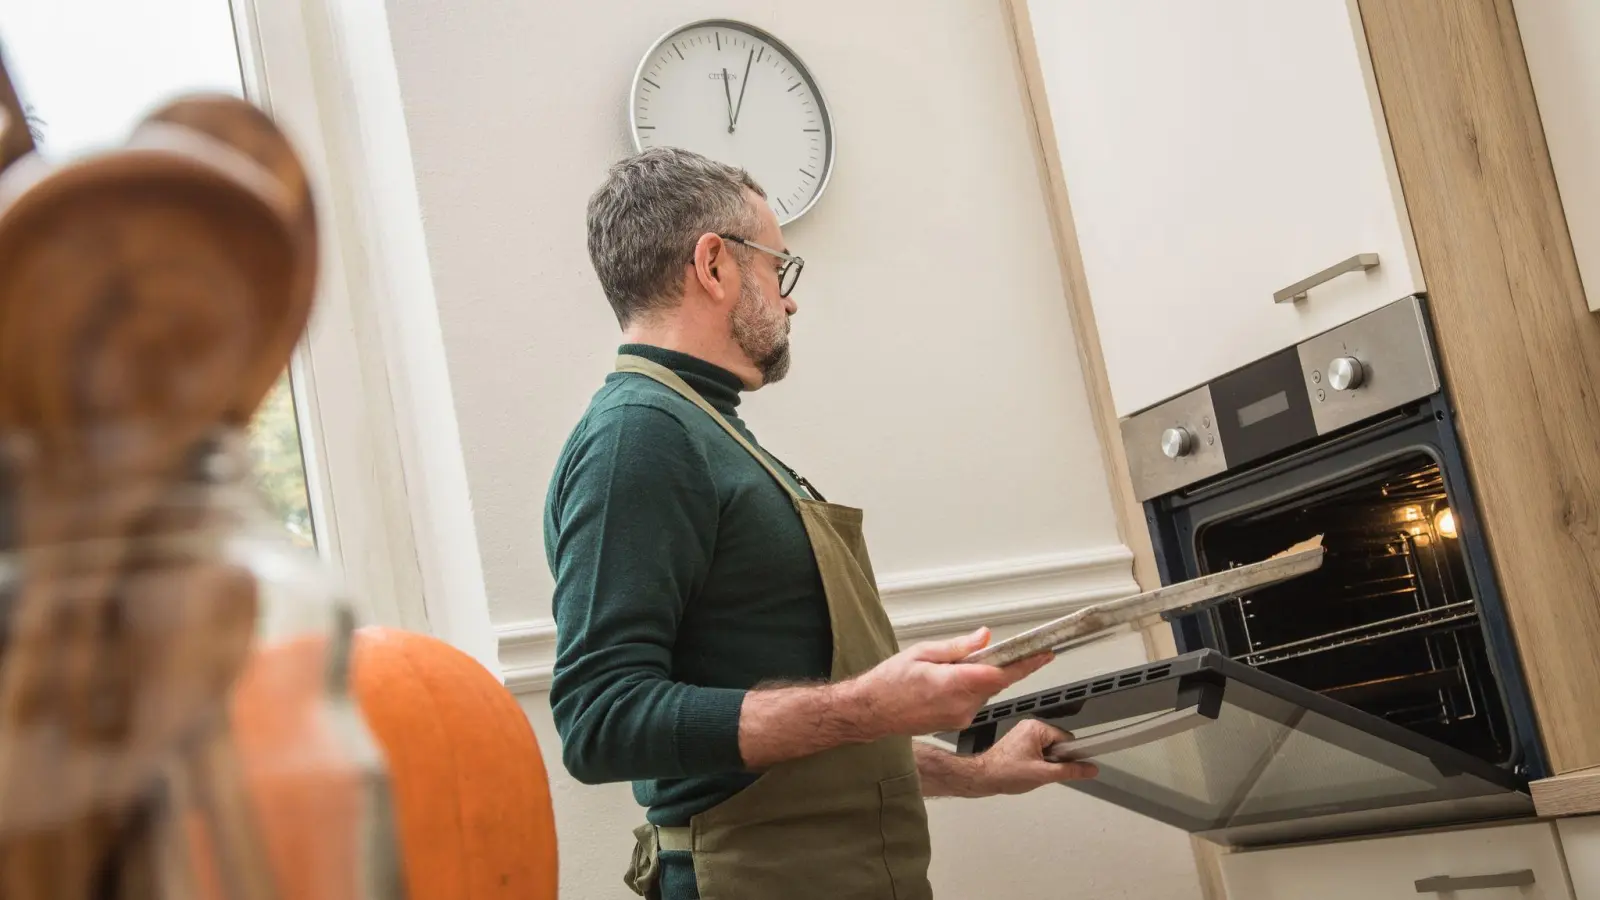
[[87, 71], [280, 468], [356, 450]]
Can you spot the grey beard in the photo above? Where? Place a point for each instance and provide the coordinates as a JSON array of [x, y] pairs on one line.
[[765, 344], [775, 364]]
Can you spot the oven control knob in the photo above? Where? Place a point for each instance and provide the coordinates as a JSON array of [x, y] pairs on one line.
[[1345, 373], [1176, 442]]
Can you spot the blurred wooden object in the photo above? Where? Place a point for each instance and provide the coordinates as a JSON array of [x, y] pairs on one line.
[[149, 298], [16, 141]]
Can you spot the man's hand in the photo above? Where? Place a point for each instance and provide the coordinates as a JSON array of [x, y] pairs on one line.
[[921, 690], [925, 688], [1016, 763]]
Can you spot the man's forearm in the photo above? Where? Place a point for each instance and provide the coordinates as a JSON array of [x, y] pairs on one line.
[[920, 690], [780, 724], [945, 774]]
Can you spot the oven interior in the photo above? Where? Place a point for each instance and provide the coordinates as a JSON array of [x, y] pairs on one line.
[[1389, 624]]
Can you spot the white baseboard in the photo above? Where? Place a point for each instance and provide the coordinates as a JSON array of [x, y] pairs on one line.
[[922, 604]]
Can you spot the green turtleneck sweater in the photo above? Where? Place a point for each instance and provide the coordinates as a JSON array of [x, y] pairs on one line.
[[683, 578]]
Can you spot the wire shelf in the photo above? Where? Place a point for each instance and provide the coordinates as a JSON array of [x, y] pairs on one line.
[[1435, 617]]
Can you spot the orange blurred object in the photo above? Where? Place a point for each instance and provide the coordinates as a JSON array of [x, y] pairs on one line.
[[471, 796]]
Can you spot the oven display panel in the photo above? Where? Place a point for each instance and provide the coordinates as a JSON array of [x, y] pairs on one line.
[[1263, 408]]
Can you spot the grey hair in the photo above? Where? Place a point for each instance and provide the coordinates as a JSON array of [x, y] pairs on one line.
[[645, 220]]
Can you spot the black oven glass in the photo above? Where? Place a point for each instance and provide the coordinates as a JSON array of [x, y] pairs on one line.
[[1380, 691], [1261, 760], [1404, 619], [1389, 624]]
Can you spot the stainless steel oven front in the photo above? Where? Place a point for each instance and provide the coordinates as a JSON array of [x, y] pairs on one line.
[[1382, 689]]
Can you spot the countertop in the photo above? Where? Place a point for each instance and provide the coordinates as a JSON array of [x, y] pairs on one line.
[[1574, 793]]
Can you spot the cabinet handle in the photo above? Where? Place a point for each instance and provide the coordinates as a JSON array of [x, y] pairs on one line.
[[1440, 884], [1297, 291]]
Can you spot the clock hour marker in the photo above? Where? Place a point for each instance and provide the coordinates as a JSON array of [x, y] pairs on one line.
[[719, 40], [807, 174], [760, 53], [793, 86], [676, 50], [785, 208], [651, 83], [645, 127]]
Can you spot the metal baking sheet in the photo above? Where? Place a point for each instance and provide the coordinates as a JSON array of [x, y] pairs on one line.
[[1295, 561]]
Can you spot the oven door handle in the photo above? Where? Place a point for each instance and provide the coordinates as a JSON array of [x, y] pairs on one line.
[[1163, 725]]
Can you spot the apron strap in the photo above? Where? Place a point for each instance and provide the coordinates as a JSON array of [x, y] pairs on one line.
[[641, 366]]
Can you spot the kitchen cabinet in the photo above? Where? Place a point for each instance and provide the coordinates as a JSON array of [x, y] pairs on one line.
[[1580, 841], [1559, 38], [1214, 154], [1522, 861]]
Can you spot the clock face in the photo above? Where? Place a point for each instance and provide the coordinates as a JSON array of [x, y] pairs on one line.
[[737, 95]]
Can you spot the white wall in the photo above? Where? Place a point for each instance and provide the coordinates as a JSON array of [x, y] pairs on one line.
[[950, 404], [930, 278]]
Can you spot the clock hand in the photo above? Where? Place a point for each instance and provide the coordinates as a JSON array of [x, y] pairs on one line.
[[728, 92], [742, 85]]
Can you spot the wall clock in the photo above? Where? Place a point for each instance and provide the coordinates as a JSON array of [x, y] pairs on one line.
[[736, 94]]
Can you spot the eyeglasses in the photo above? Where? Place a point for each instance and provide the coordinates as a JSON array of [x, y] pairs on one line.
[[788, 273]]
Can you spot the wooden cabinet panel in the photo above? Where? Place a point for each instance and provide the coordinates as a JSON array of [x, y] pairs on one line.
[[1215, 153], [1519, 348], [1391, 868]]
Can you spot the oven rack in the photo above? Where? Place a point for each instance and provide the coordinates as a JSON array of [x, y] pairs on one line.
[[1432, 617], [1426, 680]]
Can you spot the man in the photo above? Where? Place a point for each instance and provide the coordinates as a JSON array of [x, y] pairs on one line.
[[721, 643]]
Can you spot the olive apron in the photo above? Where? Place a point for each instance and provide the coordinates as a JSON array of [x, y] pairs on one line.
[[847, 822]]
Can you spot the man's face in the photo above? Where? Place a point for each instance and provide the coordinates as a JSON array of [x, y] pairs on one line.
[[760, 318]]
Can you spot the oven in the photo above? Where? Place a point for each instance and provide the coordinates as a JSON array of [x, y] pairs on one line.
[[1381, 690]]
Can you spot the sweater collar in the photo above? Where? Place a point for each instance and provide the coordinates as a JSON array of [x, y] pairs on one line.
[[720, 387]]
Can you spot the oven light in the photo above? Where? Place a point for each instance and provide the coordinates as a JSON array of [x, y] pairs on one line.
[[1445, 521], [1411, 514]]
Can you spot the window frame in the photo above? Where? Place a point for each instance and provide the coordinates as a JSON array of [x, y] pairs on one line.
[[385, 475]]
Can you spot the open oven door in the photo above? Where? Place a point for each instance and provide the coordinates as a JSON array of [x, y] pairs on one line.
[[1244, 758]]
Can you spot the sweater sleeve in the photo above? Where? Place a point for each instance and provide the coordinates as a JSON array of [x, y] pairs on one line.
[[630, 529]]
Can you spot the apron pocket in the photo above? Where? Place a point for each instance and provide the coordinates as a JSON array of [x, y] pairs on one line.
[[644, 869], [905, 836]]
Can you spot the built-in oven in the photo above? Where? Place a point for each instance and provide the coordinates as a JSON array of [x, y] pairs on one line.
[[1380, 690]]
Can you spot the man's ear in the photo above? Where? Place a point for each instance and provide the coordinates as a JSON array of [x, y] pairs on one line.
[[711, 262]]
